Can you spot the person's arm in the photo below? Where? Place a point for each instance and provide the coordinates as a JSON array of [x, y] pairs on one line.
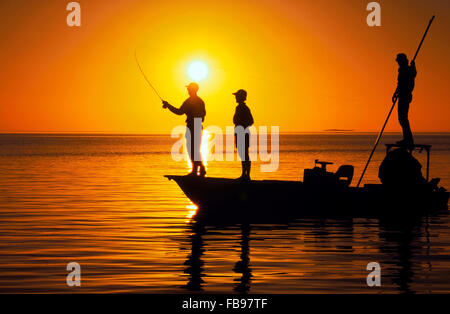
[[237, 116], [251, 117], [203, 113], [394, 97], [178, 111]]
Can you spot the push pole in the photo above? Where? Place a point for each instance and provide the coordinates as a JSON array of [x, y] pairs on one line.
[[392, 108]]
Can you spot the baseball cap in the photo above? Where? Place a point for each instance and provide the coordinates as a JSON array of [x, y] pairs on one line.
[[193, 86], [241, 92]]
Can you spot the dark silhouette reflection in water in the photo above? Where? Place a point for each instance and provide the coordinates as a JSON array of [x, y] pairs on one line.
[[194, 261], [243, 266], [403, 239], [313, 251], [321, 230]]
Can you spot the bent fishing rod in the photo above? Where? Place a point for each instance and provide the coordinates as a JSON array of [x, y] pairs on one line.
[[143, 74], [392, 108]]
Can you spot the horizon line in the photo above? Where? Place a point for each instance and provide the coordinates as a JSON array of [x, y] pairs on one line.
[[169, 133]]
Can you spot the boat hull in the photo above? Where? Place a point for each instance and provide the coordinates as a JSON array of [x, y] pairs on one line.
[[216, 196]]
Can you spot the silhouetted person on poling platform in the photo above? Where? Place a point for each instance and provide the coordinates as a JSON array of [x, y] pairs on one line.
[[242, 120], [405, 85], [194, 109]]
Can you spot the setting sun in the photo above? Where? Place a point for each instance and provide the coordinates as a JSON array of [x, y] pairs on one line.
[[198, 70]]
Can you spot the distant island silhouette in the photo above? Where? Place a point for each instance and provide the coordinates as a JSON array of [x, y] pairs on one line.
[[338, 130]]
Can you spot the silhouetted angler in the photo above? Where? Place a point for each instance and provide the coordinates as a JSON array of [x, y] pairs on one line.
[[405, 85], [194, 109], [242, 120]]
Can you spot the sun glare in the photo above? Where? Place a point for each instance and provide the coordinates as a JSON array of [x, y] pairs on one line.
[[204, 150], [192, 210], [198, 70]]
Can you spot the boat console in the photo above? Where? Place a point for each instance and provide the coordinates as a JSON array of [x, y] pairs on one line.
[[320, 176]]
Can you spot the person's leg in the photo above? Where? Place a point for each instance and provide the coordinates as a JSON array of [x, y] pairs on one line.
[[247, 156], [202, 171], [197, 151], [243, 169], [191, 146], [403, 108], [241, 156], [249, 165], [191, 149]]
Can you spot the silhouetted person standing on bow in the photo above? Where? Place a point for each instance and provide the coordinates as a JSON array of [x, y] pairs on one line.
[[194, 109], [405, 85], [242, 120]]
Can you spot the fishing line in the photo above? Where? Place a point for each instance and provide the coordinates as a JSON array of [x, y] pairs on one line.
[[143, 74]]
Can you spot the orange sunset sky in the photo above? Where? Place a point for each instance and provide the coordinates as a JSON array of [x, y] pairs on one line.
[[307, 65]]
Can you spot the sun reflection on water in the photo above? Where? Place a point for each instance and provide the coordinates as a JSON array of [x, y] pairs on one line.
[[192, 211]]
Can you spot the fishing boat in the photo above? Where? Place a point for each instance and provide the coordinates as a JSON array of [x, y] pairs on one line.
[[321, 193]]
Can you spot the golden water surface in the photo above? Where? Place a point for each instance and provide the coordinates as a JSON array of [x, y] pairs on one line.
[[102, 201]]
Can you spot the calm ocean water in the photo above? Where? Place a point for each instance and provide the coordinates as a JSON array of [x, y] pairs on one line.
[[102, 201]]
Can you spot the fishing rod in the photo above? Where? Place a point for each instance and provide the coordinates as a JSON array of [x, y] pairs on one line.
[[392, 108], [143, 74]]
